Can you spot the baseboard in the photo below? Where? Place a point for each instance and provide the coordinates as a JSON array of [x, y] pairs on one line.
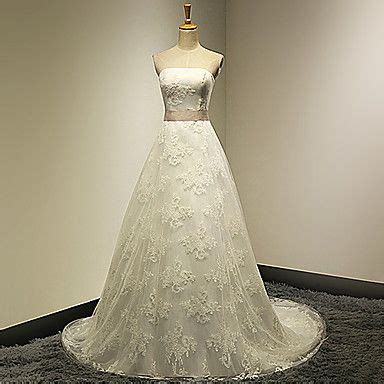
[[53, 323], [335, 285], [44, 326]]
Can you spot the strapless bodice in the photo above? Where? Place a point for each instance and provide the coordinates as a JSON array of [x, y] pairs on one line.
[[186, 89]]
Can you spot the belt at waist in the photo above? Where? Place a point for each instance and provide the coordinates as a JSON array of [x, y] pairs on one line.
[[185, 115]]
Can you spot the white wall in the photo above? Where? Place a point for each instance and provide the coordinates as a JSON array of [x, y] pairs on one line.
[[80, 107], [305, 131]]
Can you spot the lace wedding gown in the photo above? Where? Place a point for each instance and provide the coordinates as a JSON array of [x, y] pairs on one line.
[[183, 296]]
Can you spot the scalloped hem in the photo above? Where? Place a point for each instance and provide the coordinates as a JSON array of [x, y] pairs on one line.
[[240, 376]]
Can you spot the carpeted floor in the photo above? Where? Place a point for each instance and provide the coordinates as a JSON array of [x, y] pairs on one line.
[[352, 353]]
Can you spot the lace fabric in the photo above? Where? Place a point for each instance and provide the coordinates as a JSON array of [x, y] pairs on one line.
[[183, 295]]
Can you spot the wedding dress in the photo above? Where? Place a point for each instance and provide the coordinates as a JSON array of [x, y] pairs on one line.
[[183, 296]]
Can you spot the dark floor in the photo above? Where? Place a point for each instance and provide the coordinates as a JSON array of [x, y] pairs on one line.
[[352, 353]]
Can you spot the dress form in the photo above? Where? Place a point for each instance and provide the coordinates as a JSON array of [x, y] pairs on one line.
[[188, 52]]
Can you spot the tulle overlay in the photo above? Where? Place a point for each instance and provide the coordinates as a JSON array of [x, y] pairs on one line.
[[183, 296]]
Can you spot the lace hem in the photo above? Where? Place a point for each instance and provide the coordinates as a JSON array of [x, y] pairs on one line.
[[277, 302]]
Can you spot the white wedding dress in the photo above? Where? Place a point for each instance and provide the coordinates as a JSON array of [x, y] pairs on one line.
[[183, 296]]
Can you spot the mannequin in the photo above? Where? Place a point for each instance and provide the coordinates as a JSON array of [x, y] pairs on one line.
[[188, 52]]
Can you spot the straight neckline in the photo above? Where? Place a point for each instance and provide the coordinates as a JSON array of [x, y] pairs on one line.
[[205, 69]]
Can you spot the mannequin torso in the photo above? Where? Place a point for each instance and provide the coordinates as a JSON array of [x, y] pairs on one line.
[[188, 53]]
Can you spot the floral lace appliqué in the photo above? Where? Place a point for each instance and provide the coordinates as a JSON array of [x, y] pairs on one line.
[[203, 103], [139, 339], [219, 274], [164, 180], [216, 166], [156, 309], [153, 369], [136, 284], [216, 210], [252, 321], [225, 263], [145, 191], [224, 342], [199, 244], [250, 361], [176, 277], [157, 247], [177, 345], [128, 245], [174, 213], [235, 256], [236, 227], [175, 151], [175, 93], [196, 179], [253, 284], [200, 307]]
